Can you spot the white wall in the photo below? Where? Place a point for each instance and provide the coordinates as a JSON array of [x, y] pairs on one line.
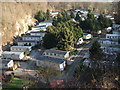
[[24, 43], [80, 41], [10, 64], [87, 36], [56, 55], [13, 56], [38, 34], [50, 65], [66, 55], [32, 38], [112, 36], [15, 49]]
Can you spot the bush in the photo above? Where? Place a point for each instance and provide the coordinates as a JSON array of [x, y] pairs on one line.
[[27, 53]]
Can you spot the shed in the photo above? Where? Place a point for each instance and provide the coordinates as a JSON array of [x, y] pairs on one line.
[[87, 36]]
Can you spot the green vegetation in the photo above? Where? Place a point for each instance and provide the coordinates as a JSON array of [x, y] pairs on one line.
[[117, 9], [74, 52], [96, 51], [79, 70], [104, 22], [64, 32], [47, 73], [72, 14], [17, 83], [41, 16], [94, 24], [27, 53], [50, 40], [102, 78], [78, 18], [48, 14]]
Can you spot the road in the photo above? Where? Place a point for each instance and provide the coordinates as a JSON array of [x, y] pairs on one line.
[[26, 69], [81, 52]]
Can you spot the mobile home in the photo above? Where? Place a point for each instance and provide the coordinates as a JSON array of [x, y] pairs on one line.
[[55, 63], [12, 55], [21, 48]]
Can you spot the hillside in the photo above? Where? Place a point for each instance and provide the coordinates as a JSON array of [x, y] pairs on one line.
[[16, 16]]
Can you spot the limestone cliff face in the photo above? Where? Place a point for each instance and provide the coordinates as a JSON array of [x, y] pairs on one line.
[[16, 17]]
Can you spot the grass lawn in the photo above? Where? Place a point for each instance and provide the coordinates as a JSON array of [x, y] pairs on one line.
[[16, 83], [74, 53]]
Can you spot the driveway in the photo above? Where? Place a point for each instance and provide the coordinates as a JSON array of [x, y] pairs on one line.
[[25, 70], [81, 53], [36, 53]]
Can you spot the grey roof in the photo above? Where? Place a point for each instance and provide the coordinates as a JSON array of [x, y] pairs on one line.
[[21, 46], [30, 36], [56, 51], [4, 64], [39, 26], [116, 30], [104, 39], [46, 22], [5, 61], [50, 59], [37, 32], [27, 41], [11, 52], [83, 9], [96, 13]]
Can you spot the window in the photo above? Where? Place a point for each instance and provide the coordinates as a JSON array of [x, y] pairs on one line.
[[54, 54], [51, 54]]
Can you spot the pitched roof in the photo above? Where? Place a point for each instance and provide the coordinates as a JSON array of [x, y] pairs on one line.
[[85, 33], [30, 36], [56, 51], [37, 32], [21, 46], [104, 39], [33, 41], [5, 61], [39, 26], [50, 59], [46, 22], [10, 52]]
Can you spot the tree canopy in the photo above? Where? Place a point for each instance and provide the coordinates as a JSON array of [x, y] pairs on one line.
[[95, 50], [72, 14], [95, 24], [41, 16], [66, 31], [49, 41], [48, 14]]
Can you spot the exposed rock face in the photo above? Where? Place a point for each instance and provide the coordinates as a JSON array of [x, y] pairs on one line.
[[16, 17]]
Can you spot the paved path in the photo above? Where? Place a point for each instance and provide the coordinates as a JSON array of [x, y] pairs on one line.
[[81, 53]]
